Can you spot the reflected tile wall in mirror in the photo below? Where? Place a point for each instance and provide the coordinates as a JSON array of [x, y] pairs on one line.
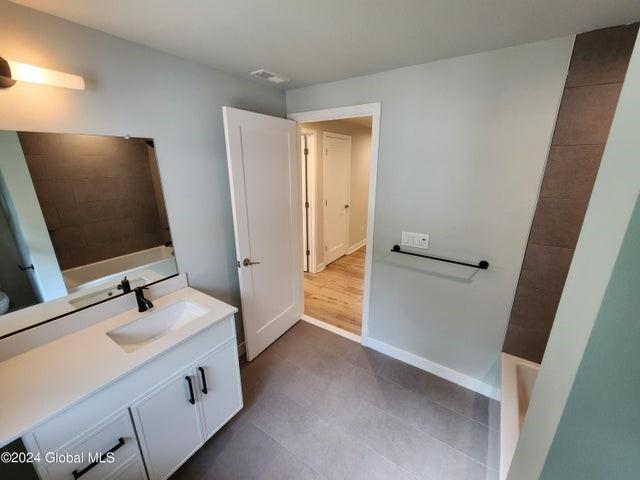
[[96, 193], [85, 211]]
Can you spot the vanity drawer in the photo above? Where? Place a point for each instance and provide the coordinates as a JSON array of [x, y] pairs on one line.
[[68, 425], [132, 470], [115, 442]]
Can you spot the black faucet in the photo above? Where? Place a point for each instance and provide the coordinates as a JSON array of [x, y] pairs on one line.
[[124, 285], [143, 303]]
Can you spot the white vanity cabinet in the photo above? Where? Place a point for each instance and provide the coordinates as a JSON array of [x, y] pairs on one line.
[[176, 418], [218, 391], [168, 425], [151, 419]]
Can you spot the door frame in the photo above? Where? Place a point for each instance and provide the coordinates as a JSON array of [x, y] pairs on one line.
[[312, 196], [340, 113], [325, 136]]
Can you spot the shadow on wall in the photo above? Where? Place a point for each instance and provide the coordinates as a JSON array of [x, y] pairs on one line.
[[461, 274]]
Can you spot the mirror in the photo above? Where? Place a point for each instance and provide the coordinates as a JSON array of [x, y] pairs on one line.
[[78, 213]]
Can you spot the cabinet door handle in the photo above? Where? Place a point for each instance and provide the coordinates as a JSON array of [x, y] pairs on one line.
[[204, 380], [192, 398], [78, 473]]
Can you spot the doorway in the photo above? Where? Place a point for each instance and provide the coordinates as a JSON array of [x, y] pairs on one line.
[[335, 165], [263, 156]]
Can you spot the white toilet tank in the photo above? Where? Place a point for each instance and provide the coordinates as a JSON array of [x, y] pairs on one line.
[[4, 303]]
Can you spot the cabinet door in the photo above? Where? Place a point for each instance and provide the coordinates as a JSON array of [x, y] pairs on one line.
[[168, 424], [219, 387], [134, 470]]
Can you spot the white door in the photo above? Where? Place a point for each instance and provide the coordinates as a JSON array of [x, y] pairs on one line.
[[265, 181], [219, 387], [168, 424], [336, 182]]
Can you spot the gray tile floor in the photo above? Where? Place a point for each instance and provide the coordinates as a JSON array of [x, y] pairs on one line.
[[318, 406]]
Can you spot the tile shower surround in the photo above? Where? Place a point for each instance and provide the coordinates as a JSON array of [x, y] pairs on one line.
[[96, 194], [596, 73]]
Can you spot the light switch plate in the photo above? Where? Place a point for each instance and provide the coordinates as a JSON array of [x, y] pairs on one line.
[[415, 240]]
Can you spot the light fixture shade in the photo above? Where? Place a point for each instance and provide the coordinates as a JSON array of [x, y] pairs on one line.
[[23, 72]]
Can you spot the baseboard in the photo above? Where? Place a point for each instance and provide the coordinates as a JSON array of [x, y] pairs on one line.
[[357, 246], [320, 267], [432, 367], [331, 328]]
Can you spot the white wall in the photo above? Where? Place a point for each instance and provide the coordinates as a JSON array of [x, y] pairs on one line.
[[359, 188], [608, 217], [463, 144], [32, 238], [135, 90]]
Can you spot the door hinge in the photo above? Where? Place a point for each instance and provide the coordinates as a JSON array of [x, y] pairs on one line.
[[306, 204], [325, 248], [308, 252], [326, 151], [306, 151], [326, 204]]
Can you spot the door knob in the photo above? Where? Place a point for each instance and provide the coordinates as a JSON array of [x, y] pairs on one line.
[[246, 262]]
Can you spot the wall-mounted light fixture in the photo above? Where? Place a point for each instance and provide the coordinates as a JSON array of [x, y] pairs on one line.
[[12, 72]]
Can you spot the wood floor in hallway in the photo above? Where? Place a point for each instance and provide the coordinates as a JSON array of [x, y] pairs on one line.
[[335, 294]]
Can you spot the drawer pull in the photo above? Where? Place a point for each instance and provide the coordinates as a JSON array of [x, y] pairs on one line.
[[204, 380], [78, 473], [192, 398]]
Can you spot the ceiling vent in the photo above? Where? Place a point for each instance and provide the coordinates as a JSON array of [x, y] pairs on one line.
[[269, 76]]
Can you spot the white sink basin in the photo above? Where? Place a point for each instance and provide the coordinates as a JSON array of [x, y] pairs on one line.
[[136, 334]]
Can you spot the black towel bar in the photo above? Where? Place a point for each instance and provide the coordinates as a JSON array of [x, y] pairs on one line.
[[482, 265]]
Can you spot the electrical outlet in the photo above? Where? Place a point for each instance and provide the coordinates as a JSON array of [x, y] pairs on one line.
[[415, 240]]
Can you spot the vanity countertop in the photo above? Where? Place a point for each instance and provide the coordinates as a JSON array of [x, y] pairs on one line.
[[40, 383]]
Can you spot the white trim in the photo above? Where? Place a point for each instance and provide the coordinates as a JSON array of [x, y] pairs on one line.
[[312, 195], [340, 136], [320, 267], [365, 110], [347, 138], [432, 367], [331, 328], [357, 246], [241, 349]]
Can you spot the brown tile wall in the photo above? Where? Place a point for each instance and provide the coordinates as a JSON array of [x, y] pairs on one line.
[[96, 193], [596, 73]]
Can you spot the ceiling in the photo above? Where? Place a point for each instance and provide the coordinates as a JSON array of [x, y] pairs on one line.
[[315, 41]]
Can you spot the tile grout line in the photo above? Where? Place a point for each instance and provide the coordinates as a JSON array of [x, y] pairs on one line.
[[403, 422], [333, 427], [284, 447], [569, 87], [425, 397], [413, 427], [415, 392]]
